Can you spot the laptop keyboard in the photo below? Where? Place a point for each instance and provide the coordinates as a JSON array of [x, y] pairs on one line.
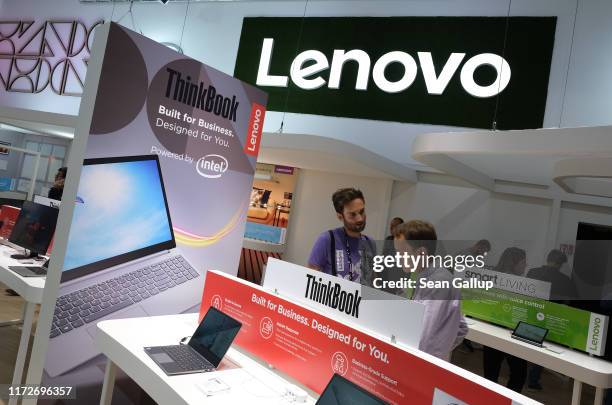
[[41, 271], [38, 270], [89, 304], [186, 359]]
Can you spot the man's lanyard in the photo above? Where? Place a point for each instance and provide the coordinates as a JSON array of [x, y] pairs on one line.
[[348, 255]]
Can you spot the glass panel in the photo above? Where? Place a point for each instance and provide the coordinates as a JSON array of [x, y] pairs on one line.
[[28, 166], [46, 149], [23, 185], [59, 151], [53, 166], [42, 169], [32, 146]]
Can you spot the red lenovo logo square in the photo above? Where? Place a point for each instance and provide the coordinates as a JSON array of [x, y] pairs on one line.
[[251, 146]]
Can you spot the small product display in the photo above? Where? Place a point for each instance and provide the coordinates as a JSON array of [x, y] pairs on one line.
[[213, 386], [529, 333], [205, 349]]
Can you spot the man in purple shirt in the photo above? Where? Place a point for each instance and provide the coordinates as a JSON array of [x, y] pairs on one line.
[[340, 251]]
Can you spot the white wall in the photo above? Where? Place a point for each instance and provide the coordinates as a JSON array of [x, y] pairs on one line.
[[312, 211], [582, 55], [460, 212], [213, 29], [588, 100]]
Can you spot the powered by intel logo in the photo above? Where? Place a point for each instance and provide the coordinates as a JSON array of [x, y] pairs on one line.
[[212, 166]]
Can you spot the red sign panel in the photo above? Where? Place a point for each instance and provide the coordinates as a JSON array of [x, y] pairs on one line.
[[311, 347], [256, 121]]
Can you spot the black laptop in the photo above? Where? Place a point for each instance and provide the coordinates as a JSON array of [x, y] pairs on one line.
[[340, 391], [205, 349]]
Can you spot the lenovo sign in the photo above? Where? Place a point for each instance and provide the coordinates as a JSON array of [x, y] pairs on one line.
[[461, 71], [308, 78]]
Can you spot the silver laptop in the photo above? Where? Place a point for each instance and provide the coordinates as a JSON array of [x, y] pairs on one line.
[[121, 260], [205, 349]]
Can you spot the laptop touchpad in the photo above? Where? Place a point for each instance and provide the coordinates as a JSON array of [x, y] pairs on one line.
[[134, 311]]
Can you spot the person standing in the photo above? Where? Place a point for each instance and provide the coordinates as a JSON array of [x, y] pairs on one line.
[[392, 225], [391, 273], [443, 324], [57, 190], [340, 251], [512, 261], [561, 290]]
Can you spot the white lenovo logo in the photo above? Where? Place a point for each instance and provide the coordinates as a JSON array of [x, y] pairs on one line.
[[211, 166], [307, 78]]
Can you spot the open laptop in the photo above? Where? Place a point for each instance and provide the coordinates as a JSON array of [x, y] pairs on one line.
[[529, 333], [340, 391], [205, 349], [121, 260]]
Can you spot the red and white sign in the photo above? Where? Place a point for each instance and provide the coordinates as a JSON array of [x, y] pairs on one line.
[[256, 121], [311, 347]]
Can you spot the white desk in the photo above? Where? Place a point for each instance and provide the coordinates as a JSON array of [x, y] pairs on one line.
[[123, 340], [31, 290], [577, 365]]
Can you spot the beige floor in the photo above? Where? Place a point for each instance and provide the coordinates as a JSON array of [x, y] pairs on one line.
[[557, 389]]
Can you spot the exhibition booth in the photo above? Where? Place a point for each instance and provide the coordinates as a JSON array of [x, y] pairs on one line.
[[175, 265]]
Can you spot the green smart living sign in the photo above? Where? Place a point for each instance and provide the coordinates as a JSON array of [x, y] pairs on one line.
[[568, 326], [459, 71]]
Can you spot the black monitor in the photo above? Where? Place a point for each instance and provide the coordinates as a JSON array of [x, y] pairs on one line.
[[592, 272], [34, 229], [340, 391]]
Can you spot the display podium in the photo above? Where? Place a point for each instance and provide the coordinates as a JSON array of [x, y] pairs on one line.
[[300, 344]]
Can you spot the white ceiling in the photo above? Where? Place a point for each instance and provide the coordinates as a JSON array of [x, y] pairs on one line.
[[527, 156], [330, 155]]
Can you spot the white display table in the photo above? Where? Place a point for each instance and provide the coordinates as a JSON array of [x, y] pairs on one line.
[[123, 340], [577, 365], [31, 290]]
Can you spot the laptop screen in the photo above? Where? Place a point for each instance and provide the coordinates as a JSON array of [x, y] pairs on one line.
[[120, 214], [340, 391], [214, 335], [34, 227], [530, 332]]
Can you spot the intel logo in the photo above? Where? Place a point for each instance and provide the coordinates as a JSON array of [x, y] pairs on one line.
[[211, 166]]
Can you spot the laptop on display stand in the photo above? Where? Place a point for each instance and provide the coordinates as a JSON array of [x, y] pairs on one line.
[[121, 260], [205, 349]]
